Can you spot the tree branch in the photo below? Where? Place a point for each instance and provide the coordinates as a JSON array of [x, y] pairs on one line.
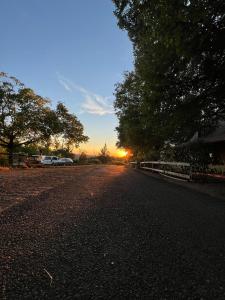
[[1, 140], [27, 142], [3, 145]]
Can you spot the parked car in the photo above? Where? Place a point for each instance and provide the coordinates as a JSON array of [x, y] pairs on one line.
[[49, 160], [63, 162], [34, 161]]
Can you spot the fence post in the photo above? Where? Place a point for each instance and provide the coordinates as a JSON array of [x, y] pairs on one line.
[[190, 172]]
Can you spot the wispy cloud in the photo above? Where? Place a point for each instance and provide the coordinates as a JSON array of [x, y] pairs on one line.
[[65, 85], [92, 103]]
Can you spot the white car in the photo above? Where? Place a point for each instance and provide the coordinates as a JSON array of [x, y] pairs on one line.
[[63, 162], [49, 160]]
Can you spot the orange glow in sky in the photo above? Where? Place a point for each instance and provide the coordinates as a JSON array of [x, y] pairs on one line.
[[121, 153]]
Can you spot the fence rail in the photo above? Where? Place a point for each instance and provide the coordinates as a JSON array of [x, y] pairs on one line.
[[175, 169]]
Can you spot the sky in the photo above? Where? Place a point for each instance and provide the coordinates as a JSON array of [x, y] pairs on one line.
[[70, 51]]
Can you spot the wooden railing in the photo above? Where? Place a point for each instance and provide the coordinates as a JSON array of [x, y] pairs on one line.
[[174, 169]]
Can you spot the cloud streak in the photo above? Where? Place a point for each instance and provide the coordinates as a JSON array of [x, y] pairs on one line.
[[92, 103], [65, 85]]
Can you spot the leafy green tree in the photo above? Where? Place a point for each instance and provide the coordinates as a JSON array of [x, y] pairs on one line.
[[71, 131], [63, 152], [180, 65], [128, 106], [27, 118]]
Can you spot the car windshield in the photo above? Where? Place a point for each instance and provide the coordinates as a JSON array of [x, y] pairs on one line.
[[47, 158]]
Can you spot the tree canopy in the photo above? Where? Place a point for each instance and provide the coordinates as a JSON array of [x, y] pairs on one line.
[[71, 131], [178, 83], [27, 118]]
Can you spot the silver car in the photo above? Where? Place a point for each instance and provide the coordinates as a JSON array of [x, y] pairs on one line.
[[63, 162], [49, 160]]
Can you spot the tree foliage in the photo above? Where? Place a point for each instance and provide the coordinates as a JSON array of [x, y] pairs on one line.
[[27, 118], [178, 83], [104, 155], [83, 157], [71, 131]]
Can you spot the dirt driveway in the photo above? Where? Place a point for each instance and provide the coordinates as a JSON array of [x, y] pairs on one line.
[[19, 185], [108, 232]]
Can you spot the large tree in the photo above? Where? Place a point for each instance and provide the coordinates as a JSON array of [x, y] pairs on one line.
[[27, 118], [179, 53], [71, 130], [128, 103]]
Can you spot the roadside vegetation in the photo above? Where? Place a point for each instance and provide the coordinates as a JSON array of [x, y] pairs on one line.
[[177, 86], [103, 157], [29, 124]]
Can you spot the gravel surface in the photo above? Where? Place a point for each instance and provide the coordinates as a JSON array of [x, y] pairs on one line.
[[17, 185], [108, 232], [215, 188]]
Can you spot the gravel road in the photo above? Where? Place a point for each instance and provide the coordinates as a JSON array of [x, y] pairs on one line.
[[109, 232]]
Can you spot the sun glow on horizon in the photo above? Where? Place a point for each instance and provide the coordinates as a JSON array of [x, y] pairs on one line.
[[121, 153]]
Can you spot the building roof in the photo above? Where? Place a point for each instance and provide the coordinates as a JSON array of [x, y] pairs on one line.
[[216, 136]]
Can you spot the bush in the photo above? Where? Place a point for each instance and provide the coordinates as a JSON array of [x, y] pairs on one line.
[[4, 161]]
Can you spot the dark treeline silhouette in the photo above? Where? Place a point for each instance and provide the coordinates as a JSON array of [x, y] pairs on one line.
[[177, 86]]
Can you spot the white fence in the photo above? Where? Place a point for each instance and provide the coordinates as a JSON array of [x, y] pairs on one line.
[[174, 169]]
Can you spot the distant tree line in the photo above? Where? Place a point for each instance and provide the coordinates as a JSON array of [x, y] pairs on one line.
[[177, 86], [102, 157], [27, 121]]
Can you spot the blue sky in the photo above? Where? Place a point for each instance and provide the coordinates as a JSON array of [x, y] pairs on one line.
[[70, 51]]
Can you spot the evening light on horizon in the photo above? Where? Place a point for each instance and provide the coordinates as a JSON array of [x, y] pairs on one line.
[[112, 149], [70, 51]]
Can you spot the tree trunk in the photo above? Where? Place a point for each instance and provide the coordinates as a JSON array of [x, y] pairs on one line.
[[10, 148]]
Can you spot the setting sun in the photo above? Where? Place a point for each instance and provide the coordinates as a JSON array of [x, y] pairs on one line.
[[122, 153]]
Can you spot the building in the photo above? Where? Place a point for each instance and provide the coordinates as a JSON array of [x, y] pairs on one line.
[[214, 142]]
